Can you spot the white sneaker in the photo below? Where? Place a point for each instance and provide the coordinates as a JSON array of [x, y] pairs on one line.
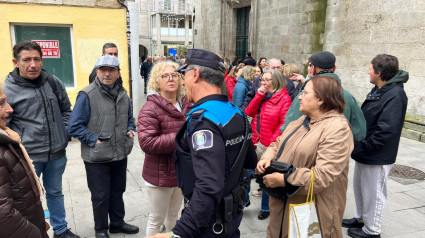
[[257, 193]]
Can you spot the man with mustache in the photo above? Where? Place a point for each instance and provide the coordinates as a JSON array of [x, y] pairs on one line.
[[102, 120], [41, 113]]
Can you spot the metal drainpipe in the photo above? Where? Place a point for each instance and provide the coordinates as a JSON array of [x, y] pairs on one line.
[[121, 2]]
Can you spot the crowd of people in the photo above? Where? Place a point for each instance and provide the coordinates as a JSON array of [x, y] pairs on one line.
[[208, 126]]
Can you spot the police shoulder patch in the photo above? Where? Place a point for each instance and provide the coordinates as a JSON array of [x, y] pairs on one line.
[[202, 139]]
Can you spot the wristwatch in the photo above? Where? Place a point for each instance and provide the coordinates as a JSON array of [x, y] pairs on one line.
[[172, 235]]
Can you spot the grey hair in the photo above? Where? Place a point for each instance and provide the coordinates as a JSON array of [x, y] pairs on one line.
[[275, 60], [212, 76], [278, 79]]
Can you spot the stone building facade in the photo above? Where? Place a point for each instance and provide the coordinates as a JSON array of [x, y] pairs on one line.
[[80, 28], [355, 31], [164, 25]]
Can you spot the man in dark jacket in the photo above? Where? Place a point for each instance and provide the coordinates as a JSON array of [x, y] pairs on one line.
[[384, 109], [41, 113], [323, 63], [211, 141], [145, 70], [107, 49], [249, 60], [102, 120]]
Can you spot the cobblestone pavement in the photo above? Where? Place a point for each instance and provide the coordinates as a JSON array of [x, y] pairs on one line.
[[405, 213]]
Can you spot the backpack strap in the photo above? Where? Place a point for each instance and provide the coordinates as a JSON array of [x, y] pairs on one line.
[[52, 84]]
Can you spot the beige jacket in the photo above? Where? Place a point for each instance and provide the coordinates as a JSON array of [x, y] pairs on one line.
[[324, 148]]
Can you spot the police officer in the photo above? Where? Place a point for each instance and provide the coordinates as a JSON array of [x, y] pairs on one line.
[[213, 147]]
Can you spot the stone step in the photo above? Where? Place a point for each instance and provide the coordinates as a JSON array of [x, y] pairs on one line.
[[414, 130]]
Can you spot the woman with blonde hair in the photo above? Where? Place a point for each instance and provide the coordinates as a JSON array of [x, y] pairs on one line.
[[292, 71], [243, 85], [159, 121]]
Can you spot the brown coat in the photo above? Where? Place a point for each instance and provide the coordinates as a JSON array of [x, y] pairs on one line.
[[326, 149], [21, 212]]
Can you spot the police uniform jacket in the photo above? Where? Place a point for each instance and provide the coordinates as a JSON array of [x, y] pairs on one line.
[[213, 137]]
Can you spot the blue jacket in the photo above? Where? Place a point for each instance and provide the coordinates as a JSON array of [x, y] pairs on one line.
[[242, 87]]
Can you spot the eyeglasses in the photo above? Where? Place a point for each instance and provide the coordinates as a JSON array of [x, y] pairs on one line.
[[108, 69], [304, 92], [113, 54], [265, 79], [166, 77]]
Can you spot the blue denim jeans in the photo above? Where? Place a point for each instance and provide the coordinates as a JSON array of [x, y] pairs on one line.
[[265, 202], [248, 189], [52, 181]]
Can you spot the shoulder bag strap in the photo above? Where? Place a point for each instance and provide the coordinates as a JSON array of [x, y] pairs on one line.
[[279, 153], [258, 119]]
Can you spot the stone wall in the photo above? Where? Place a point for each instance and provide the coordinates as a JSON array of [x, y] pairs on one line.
[[80, 3], [290, 30], [356, 31], [145, 29], [207, 24]]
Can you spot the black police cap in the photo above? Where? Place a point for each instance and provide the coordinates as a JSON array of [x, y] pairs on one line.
[[202, 58]]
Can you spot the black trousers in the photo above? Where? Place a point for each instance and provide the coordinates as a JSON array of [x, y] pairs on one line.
[[107, 182]]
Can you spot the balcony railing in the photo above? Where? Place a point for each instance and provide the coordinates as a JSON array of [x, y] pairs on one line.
[[167, 31]]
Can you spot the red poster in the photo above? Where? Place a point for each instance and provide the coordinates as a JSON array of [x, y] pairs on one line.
[[49, 48]]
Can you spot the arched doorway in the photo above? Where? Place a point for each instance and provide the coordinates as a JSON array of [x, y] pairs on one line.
[[143, 52]]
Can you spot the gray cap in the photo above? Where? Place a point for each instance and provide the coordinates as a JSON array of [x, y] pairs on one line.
[[108, 61]]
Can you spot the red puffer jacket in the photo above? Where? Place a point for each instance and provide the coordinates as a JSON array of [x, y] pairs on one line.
[[230, 84], [272, 116], [157, 126]]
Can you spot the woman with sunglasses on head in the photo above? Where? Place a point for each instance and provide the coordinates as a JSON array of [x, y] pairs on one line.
[[159, 121], [268, 109]]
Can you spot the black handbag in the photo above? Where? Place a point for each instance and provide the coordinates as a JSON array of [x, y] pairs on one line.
[[275, 166], [281, 167]]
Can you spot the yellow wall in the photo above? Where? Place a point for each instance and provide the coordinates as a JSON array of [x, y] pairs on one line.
[[91, 28]]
